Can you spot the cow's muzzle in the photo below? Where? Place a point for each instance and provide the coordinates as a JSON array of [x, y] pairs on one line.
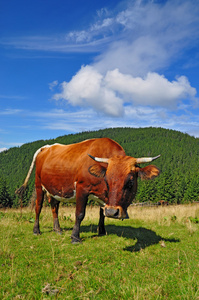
[[115, 212]]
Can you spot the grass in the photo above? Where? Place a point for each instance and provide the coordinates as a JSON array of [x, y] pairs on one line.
[[153, 255]]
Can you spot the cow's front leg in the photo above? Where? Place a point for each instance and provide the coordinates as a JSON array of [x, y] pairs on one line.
[[55, 208], [79, 216], [101, 227]]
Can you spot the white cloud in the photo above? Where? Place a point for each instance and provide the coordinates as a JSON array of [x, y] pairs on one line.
[[3, 149], [165, 28], [10, 111], [88, 88], [53, 84], [140, 116], [151, 36], [109, 93], [154, 89]]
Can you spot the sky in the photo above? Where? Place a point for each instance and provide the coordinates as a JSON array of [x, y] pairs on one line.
[[68, 66]]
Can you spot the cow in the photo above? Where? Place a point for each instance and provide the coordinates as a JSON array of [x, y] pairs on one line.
[[163, 203], [95, 168]]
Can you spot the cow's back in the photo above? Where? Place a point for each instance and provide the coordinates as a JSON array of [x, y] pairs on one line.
[[105, 147], [76, 154]]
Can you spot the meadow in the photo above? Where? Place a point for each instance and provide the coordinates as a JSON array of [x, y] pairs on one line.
[[152, 255]]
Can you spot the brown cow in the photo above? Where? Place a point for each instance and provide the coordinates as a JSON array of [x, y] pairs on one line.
[[163, 202], [67, 172]]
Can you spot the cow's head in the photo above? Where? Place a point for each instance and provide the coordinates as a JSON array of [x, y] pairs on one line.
[[120, 175]]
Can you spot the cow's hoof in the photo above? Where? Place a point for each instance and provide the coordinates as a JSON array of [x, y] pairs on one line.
[[101, 231], [75, 240], [36, 233], [58, 231]]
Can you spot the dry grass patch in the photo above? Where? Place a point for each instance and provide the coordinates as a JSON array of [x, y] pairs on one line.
[[160, 214], [164, 214]]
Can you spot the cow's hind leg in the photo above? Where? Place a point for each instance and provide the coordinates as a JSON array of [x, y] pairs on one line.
[[55, 207], [38, 207], [101, 227]]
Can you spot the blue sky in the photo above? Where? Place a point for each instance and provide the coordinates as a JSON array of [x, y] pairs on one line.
[[68, 66]]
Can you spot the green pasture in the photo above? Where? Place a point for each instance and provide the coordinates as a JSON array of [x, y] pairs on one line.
[[137, 259]]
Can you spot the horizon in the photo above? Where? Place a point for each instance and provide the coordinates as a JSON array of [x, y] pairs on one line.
[[88, 131]]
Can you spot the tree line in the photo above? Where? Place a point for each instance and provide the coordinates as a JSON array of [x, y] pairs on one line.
[[179, 161]]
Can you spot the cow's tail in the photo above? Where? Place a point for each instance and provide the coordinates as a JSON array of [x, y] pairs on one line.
[[21, 190]]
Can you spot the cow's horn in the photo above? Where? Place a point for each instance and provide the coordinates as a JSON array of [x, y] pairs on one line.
[[146, 159], [98, 159]]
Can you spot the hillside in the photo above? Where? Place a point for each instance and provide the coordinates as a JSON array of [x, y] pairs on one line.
[[178, 182]]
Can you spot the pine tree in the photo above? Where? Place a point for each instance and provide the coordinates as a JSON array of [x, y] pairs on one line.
[[5, 198], [192, 192]]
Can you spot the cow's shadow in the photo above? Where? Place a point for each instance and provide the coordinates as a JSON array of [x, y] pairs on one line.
[[144, 237]]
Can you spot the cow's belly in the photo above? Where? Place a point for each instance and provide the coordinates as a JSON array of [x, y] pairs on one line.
[[64, 200], [72, 199]]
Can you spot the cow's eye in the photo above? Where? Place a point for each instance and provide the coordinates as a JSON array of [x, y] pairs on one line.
[[129, 183]]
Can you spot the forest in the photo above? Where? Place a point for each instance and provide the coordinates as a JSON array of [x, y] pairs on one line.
[[179, 163]]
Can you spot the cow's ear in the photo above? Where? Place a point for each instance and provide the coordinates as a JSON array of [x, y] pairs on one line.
[[148, 172], [97, 170]]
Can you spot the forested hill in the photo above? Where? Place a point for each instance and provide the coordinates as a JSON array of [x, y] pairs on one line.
[[179, 163]]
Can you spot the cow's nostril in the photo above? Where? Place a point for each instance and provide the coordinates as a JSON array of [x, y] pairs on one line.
[[112, 212], [116, 214]]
